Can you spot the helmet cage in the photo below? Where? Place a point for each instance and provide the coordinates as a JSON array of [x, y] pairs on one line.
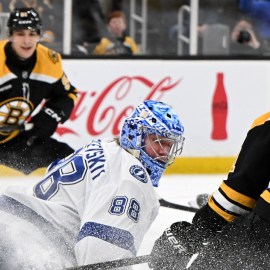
[[164, 140]]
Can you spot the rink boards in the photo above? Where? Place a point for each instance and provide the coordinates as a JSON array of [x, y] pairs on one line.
[[215, 123]]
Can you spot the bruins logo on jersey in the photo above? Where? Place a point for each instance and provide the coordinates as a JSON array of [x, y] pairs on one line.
[[53, 56], [13, 113]]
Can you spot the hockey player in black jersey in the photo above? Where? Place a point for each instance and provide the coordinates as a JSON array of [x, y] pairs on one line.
[[232, 231], [31, 80]]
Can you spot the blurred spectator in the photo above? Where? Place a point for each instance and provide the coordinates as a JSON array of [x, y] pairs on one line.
[[88, 24], [259, 11], [211, 13], [215, 16], [244, 39], [115, 41]]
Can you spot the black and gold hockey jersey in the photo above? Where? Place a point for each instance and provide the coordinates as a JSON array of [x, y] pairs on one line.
[[26, 85], [116, 46], [247, 185]]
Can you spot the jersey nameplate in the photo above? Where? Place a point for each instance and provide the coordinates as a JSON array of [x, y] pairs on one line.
[[95, 158]]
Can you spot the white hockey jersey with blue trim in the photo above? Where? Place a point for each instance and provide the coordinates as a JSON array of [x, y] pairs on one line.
[[100, 200]]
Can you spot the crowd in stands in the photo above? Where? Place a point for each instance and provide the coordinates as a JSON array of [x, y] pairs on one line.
[[244, 24]]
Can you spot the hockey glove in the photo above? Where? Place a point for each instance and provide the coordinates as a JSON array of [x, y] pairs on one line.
[[241, 244], [175, 247], [45, 124]]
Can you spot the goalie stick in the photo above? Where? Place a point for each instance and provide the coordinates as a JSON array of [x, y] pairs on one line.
[[114, 264]]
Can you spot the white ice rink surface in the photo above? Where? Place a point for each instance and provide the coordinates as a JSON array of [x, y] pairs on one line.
[[178, 189]]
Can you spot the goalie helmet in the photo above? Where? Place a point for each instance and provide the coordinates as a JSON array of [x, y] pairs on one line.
[[156, 119], [24, 18]]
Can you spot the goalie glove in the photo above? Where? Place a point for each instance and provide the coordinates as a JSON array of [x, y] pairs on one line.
[[45, 123], [175, 247]]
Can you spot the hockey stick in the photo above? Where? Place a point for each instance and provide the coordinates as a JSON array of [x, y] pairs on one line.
[[165, 203], [114, 264], [22, 127]]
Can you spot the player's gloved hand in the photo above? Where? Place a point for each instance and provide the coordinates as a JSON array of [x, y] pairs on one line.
[[44, 125], [175, 247], [241, 244]]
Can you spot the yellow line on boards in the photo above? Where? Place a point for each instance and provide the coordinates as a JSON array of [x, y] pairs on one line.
[[182, 165]]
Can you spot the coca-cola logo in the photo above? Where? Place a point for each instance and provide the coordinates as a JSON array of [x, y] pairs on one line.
[[104, 110]]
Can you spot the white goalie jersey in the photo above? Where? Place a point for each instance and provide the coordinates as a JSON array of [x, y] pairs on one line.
[[97, 204]]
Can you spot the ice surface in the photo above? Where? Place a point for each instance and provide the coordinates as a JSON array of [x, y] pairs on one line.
[[178, 189]]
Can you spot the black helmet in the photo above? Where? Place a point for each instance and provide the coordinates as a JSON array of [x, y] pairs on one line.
[[24, 18]]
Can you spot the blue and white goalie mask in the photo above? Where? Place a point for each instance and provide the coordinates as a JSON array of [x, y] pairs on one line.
[[154, 135]]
